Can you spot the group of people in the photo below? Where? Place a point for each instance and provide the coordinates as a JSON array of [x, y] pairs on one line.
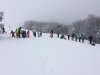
[[34, 33], [79, 37], [24, 34], [20, 32], [62, 36]]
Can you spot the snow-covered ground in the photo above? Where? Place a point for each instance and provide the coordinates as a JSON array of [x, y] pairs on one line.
[[47, 56]]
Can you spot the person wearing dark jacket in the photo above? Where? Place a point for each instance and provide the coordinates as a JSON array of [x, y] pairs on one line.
[[73, 36], [68, 37], [57, 34], [19, 31], [63, 37], [25, 34], [22, 34], [3, 29], [82, 39], [51, 33], [76, 38], [90, 38], [34, 33]]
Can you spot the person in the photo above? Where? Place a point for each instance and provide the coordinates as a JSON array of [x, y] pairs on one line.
[[16, 32], [3, 29], [19, 31], [23, 34], [51, 33], [28, 33], [93, 44], [12, 32], [73, 36], [57, 34], [76, 38], [68, 36], [90, 39], [63, 37], [40, 34], [34, 32], [79, 37], [82, 39]]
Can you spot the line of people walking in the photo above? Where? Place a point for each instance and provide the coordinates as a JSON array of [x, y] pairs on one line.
[[79, 37], [62, 36]]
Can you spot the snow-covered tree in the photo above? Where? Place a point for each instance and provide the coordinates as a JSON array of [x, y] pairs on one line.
[[88, 26], [1, 18], [46, 27]]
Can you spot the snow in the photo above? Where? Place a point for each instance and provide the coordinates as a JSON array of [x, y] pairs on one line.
[[47, 56]]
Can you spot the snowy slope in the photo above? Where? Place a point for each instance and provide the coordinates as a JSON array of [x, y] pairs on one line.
[[46, 56]]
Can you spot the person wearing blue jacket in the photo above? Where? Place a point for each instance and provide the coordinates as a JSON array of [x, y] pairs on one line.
[[79, 37]]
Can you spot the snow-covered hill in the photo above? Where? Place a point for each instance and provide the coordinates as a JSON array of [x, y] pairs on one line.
[[46, 56]]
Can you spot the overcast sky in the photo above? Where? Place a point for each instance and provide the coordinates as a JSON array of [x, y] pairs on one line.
[[63, 11]]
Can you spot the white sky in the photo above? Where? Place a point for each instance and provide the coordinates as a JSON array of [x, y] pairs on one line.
[[63, 11]]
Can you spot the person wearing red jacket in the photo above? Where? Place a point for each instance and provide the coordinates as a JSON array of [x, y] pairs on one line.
[[13, 33], [51, 33], [28, 34]]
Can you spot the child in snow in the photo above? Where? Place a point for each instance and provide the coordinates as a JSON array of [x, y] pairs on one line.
[[28, 33], [34, 33], [3, 29], [63, 37], [90, 38], [82, 39], [23, 33], [12, 32], [76, 38], [93, 44], [51, 33], [79, 37], [68, 37], [40, 34], [16, 32], [73, 36], [57, 34]]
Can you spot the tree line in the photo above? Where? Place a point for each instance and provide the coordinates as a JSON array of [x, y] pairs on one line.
[[86, 27], [46, 27]]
